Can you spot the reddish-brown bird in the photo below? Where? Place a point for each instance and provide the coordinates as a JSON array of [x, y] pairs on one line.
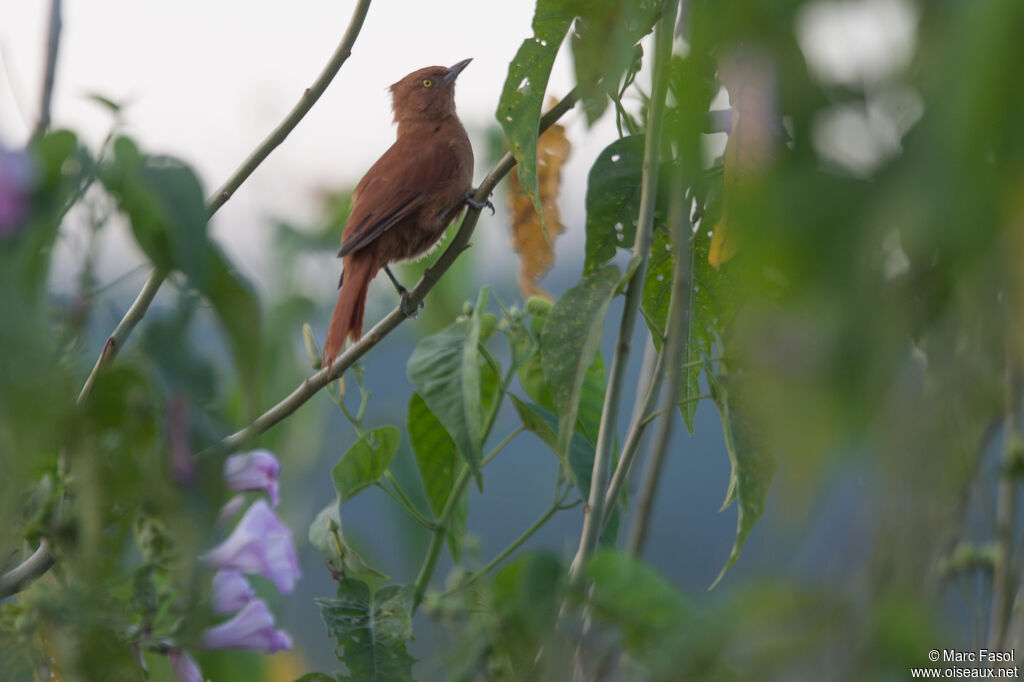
[[405, 201]]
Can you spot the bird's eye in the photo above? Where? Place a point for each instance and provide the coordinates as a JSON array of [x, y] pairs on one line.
[[427, 82]]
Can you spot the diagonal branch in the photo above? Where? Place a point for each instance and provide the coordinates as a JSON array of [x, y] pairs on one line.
[[42, 559], [309, 97], [311, 385]]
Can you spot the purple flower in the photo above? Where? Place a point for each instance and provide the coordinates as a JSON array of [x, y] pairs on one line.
[[185, 669], [15, 188], [251, 629], [231, 591], [259, 544], [256, 470], [230, 509]]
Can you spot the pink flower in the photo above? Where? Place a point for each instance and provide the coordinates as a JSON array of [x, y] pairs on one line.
[[185, 669], [15, 188], [260, 544], [256, 470], [251, 629], [230, 510], [231, 591]]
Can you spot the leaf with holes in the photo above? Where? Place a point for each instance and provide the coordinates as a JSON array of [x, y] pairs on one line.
[[570, 341], [523, 93], [613, 200], [371, 630], [603, 47]]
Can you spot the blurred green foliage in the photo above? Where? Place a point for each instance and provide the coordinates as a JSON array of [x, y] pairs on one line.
[[869, 319]]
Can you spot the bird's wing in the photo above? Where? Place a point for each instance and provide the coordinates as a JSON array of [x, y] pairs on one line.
[[394, 188], [377, 217]]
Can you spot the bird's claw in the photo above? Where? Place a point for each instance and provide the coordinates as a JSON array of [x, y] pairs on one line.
[[478, 205], [405, 307]]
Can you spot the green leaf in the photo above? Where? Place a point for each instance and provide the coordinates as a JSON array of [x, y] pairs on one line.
[[163, 200], [56, 168], [325, 533], [437, 462], [445, 369], [237, 307], [164, 203], [523, 93], [657, 623], [371, 630], [603, 47], [365, 462], [528, 594], [613, 200], [580, 462], [753, 467], [712, 302], [570, 341]]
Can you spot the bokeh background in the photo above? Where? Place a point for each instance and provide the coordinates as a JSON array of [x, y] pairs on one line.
[[206, 81]]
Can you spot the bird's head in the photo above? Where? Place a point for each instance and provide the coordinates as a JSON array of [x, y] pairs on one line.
[[427, 93]]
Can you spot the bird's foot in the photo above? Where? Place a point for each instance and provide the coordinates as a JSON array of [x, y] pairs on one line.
[[406, 307], [478, 205]]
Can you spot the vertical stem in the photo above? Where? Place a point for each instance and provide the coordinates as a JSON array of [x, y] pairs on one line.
[[1006, 500], [674, 348], [594, 512], [50, 68], [437, 538], [309, 97], [641, 418]]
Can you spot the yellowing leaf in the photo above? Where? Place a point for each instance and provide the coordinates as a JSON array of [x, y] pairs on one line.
[[535, 246], [748, 77]]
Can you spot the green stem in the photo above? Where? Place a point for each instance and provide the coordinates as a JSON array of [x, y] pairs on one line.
[[500, 446], [636, 432], [594, 517], [50, 67], [674, 349], [516, 544], [441, 527], [399, 496], [437, 538]]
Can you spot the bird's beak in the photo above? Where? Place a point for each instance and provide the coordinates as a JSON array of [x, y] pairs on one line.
[[455, 70]]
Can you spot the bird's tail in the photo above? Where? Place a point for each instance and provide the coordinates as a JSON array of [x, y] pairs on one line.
[[347, 320]]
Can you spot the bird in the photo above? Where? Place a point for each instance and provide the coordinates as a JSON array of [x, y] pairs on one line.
[[406, 200]]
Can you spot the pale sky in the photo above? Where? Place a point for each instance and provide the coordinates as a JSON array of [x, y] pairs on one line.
[[205, 81]]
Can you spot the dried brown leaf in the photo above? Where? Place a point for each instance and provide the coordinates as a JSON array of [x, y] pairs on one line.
[[535, 246]]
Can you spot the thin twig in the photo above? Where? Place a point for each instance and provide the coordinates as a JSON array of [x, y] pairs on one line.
[[142, 302], [311, 385], [124, 328], [50, 68], [674, 348], [555, 507], [594, 512], [309, 97], [30, 570], [641, 418]]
